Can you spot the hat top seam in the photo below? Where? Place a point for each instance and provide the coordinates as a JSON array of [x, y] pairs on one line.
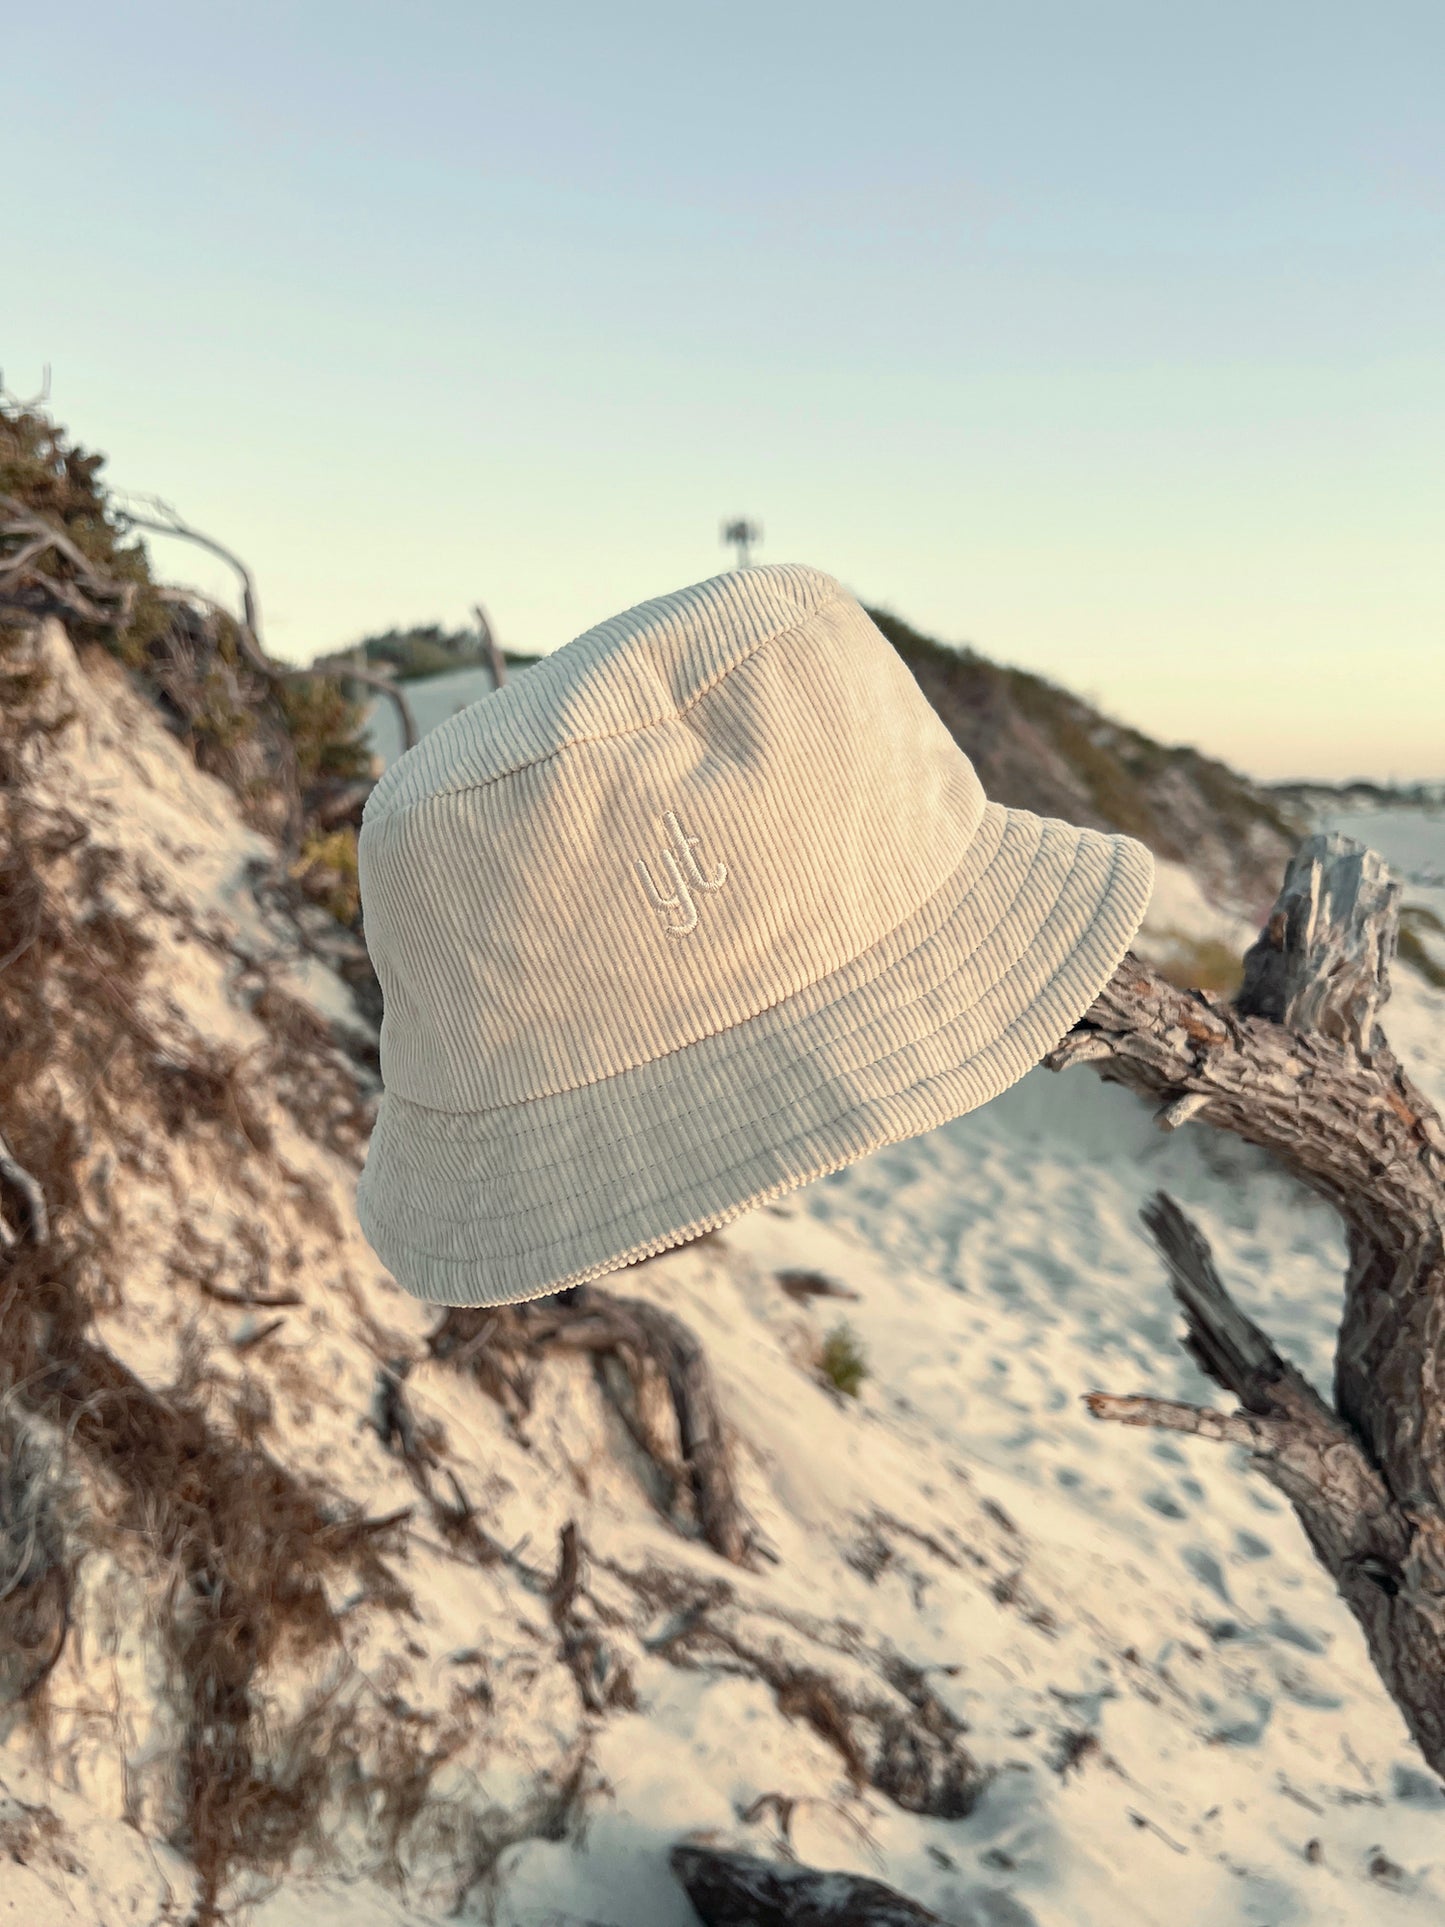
[[608, 735]]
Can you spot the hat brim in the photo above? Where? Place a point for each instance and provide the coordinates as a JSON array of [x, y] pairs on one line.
[[946, 1012]]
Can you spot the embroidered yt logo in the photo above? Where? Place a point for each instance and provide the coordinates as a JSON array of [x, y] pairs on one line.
[[681, 898]]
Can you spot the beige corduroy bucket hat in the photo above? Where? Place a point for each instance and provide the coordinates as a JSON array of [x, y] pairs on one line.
[[703, 906]]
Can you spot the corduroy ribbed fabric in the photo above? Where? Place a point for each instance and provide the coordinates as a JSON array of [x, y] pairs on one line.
[[705, 905]]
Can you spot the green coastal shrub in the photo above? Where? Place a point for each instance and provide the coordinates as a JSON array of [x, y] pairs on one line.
[[842, 1360]]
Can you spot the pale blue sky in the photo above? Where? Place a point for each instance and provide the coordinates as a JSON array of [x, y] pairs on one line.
[[1108, 339]]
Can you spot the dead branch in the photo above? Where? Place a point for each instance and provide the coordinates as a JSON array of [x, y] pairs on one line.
[[803, 1285], [88, 595], [225, 1295], [740, 1890], [603, 1679], [250, 637], [394, 694], [27, 404], [250, 1340], [164, 521], [1299, 1065], [30, 592], [1172, 1415]]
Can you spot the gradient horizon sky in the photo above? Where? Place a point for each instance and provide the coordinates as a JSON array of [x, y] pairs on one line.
[[1106, 340]]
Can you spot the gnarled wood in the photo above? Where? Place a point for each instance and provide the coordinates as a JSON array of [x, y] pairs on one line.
[[1321, 962], [1299, 1065]]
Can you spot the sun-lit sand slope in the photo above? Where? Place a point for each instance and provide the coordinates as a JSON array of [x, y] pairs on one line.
[[1173, 1701]]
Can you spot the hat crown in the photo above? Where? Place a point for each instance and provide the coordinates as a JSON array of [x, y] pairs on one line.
[[636, 668], [681, 817]]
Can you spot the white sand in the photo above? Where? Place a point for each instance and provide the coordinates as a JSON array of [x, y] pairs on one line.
[[1149, 1592]]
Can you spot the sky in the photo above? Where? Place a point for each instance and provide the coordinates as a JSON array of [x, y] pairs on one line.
[[1105, 339]]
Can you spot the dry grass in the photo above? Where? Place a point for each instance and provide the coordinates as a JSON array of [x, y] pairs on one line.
[[312, 1073], [246, 1540], [207, 1086], [894, 1734]]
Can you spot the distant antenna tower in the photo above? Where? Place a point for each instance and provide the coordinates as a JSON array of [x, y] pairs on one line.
[[744, 534]]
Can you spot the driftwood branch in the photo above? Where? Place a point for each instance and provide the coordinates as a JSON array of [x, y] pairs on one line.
[[739, 1890], [1299, 1065], [225, 1295], [1170, 1415]]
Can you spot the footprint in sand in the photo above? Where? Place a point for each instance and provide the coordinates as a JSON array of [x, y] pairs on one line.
[[1207, 1569]]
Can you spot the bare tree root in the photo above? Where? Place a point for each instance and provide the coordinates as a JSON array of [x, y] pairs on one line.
[[670, 1405], [1298, 1065]]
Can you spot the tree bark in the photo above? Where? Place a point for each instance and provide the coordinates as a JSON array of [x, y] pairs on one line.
[[1299, 1065]]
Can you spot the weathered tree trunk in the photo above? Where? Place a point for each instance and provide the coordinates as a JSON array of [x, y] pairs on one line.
[[1298, 1064], [738, 1890]]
